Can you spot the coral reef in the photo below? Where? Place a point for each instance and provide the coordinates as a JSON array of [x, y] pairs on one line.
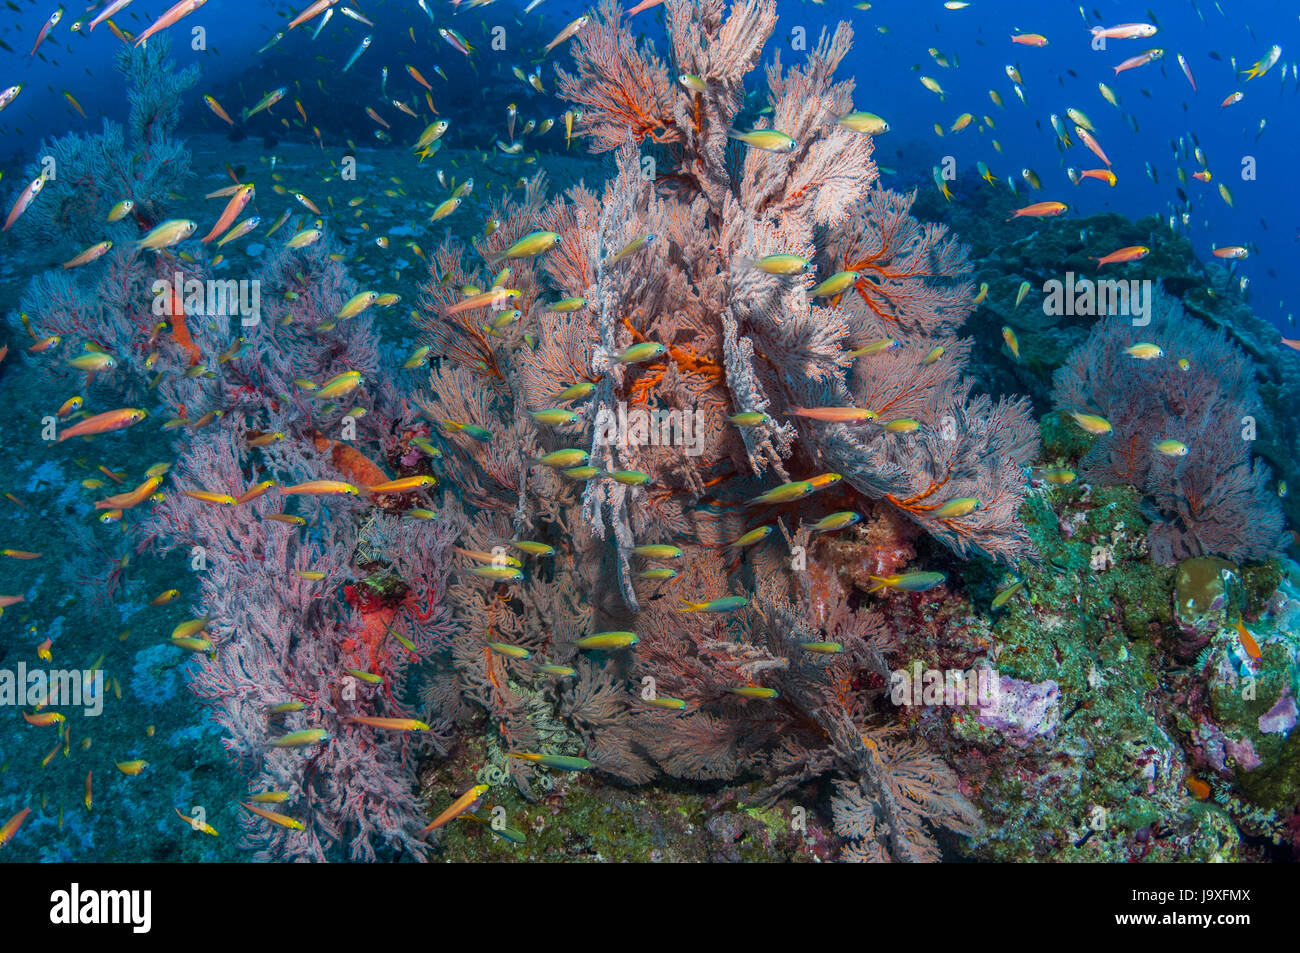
[[85, 176], [1181, 426], [665, 263], [312, 613]]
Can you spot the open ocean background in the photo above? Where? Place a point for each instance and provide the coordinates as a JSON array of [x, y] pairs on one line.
[[888, 59]]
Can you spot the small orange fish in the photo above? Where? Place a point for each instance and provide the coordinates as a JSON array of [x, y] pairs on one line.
[[43, 719], [404, 485], [11, 826], [216, 109], [130, 499], [254, 491], [415, 75], [195, 824], [1247, 640], [1142, 59], [104, 423], [283, 820], [1029, 39], [205, 496], [1105, 175], [319, 487], [834, 414], [1086, 138], [19, 554], [457, 807], [393, 724], [1039, 210], [1130, 253], [1200, 790]]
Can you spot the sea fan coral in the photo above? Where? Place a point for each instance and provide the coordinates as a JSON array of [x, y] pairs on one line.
[[87, 175], [1181, 428], [688, 366]]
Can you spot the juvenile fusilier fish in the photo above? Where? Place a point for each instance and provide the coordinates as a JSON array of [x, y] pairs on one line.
[[1001, 598], [240, 230], [658, 574], [564, 459], [389, 724], [875, 347], [631, 247], [568, 32]]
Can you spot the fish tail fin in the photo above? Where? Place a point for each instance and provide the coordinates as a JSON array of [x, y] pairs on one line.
[[687, 606]]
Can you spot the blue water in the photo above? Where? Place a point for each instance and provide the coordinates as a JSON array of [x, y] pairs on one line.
[[887, 67], [890, 56]]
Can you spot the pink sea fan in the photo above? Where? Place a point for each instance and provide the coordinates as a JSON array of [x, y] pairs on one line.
[[1210, 499]]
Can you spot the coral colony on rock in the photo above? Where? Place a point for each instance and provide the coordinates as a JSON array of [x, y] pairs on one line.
[[712, 501]]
